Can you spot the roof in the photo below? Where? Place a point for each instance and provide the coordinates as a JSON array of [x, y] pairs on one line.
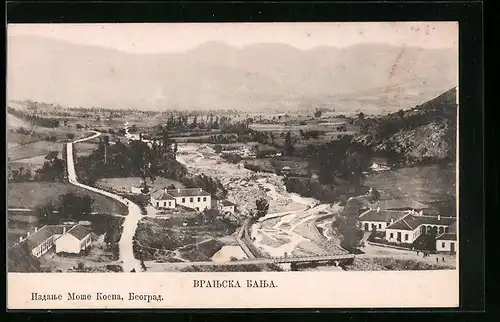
[[227, 203], [399, 204], [42, 234], [412, 222], [161, 195], [382, 215], [447, 236], [79, 232], [188, 192]]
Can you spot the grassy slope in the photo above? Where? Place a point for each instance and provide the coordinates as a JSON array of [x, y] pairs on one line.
[[426, 132], [30, 194]]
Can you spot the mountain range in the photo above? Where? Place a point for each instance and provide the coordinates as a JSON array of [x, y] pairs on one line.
[[369, 77]]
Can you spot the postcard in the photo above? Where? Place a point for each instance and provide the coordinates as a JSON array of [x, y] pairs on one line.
[[232, 165]]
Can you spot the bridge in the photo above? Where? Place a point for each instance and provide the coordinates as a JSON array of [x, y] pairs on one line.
[[312, 259]]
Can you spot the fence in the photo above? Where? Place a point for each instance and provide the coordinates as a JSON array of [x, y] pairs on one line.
[[387, 245]]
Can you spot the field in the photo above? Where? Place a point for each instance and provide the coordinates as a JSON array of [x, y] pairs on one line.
[[426, 184], [124, 184], [31, 194], [167, 240]]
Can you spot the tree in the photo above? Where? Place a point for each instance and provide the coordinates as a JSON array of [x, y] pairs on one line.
[[361, 116], [262, 206], [70, 136], [289, 149], [401, 114], [218, 148], [318, 113]]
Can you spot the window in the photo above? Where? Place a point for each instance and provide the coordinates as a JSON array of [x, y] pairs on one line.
[[164, 203], [379, 226], [157, 204], [183, 200], [197, 208], [443, 245], [191, 199], [204, 198], [392, 235], [406, 236], [199, 199], [169, 203]]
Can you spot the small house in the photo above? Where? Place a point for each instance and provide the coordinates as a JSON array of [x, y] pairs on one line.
[[161, 199], [447, 242], [74, 240], [225, 206]]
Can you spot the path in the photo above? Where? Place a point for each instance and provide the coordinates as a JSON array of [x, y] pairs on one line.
[[127, 258]]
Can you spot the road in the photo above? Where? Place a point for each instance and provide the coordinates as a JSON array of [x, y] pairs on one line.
[[127, 258]]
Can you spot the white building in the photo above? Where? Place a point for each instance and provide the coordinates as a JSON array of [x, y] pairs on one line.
[[376, 219], [43, 239], [411, 226], [195, 198], [74, 240], [161, 199], [137, 189], [447, 242], [225, 206]]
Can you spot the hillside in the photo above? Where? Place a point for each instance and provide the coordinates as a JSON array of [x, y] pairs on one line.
[[266, 76], [425, 133]]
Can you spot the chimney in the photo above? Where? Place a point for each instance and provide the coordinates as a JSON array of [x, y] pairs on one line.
[[64, 230], [421, 213], [378, 209], [439, 217], [36, 229], [28, 234], [201, 189], [392, 221], [20, 238], [178, 190], [165, 189]]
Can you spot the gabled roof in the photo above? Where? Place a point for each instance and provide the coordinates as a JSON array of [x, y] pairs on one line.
[[447, 236], [79, 231], [382, 215], [42, 234], [161, 195], [413, 221], [188, 192]]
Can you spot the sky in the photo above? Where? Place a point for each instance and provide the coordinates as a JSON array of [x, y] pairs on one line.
[[179, 37]]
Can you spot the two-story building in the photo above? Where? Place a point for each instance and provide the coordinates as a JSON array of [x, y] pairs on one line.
[[195, 198]]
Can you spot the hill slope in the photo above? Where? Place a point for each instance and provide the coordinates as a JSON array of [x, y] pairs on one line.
[[214, 75], [426, 133]]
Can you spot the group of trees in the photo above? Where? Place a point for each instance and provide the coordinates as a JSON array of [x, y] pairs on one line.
[[261, 208], [34, 119], [345, 223], [68, 207], [52, 170], [341, 158]]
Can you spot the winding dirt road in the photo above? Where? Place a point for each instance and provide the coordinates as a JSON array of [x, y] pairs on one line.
[[129, 262]]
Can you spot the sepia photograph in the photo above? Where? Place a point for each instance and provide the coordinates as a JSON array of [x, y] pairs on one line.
[[232, 147]]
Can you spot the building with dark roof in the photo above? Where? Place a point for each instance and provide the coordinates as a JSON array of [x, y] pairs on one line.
[[195, 198], [408, 228], [43, 239], [377, 219], [447, 241]]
